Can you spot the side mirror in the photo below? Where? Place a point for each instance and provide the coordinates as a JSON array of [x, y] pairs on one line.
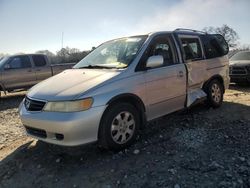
[[154, 61], [7, 66]]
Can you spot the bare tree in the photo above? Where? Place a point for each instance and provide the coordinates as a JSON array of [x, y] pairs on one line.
[[64, 52], [70, 55], [65, 55], [74, 51], [230, 35]]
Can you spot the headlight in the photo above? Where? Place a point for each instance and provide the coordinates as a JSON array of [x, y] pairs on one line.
[[69, 106]]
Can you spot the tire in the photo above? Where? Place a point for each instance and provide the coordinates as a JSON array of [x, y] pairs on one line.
[[119, 127], [215, 93]]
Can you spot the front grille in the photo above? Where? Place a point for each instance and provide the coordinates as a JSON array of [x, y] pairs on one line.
[[238, 70], [33, 105], [36, 132]]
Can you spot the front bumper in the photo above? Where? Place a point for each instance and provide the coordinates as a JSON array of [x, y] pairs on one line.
[[239, 74], [67, 129]]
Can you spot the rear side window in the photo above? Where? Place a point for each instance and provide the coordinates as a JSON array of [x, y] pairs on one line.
[[19, 62], [222, 43], [214, 46], [39, 60], [191, 48]]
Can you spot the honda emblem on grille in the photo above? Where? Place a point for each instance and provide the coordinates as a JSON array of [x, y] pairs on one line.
[[27, 103]]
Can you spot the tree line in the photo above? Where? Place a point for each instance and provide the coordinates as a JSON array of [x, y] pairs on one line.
[[65, 55]]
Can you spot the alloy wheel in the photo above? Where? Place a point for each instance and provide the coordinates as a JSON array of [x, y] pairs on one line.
[[123, 127], [216, 92]]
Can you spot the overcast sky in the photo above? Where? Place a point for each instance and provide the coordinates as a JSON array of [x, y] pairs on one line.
[[32, 25]]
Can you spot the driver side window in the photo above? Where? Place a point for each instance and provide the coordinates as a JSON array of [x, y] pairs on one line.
[[19, 62], [161, 46], [15, 63]]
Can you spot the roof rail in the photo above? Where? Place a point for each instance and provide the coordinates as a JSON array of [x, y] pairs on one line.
[[190, 30]]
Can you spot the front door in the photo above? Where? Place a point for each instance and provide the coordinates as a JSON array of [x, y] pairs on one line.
[[165, 85], [18, 73]]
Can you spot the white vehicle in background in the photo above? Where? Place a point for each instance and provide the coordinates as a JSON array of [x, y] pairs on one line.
[[239, 65], [110, 94]]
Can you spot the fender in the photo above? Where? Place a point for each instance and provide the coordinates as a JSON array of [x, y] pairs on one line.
[[127, 96], [135, 101], [217, 77]]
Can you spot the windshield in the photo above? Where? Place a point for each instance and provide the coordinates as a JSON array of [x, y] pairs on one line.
[[240, 56], [113, 54]]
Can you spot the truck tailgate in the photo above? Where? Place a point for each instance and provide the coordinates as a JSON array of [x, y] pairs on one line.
[[57, 68]]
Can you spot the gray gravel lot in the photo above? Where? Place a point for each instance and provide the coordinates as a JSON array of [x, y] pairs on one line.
[[199, 147], [10, 124]]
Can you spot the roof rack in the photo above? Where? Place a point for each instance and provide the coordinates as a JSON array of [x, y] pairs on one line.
[[190, 30]]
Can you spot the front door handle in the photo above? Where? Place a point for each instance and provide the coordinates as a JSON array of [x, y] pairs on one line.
[[180, 74]]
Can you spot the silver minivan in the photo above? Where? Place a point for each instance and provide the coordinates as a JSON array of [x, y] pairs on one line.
[[111, 93]]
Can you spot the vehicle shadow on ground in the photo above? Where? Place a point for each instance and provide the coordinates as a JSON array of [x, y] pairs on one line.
[[11, 101], [84, 163]]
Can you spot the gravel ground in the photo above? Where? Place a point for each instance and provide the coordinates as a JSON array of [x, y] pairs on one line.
[[11, 128], [199, 147]]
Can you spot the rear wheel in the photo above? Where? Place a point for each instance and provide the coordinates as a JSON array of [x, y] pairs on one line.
[[119, 126], [215, 93]]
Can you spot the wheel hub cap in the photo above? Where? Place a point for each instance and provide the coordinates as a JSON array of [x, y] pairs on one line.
[[216, 93], [123, 127]]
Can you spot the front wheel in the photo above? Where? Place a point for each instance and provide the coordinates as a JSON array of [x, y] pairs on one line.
[[215, 93], [119, 126]]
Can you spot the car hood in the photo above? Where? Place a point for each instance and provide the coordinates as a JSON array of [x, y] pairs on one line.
[[70, 83], [240, 63]]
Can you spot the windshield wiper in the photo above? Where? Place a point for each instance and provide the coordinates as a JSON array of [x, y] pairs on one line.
[[95, 67]]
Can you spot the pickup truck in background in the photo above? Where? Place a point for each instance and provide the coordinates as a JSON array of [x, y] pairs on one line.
[[20, 72]]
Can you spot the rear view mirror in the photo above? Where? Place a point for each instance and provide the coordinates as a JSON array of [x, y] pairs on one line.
[[154, 61]]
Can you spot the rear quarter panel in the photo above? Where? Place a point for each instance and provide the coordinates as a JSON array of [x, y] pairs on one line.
[[219, 66]]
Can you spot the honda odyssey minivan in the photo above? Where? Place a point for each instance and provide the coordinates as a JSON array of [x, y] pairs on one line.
[[111, 93]]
